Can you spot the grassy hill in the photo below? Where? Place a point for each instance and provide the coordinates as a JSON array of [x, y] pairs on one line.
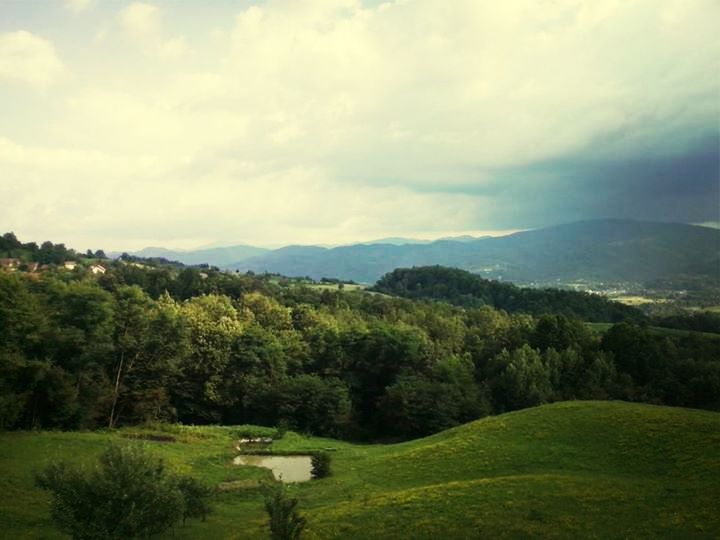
[[568, 470]]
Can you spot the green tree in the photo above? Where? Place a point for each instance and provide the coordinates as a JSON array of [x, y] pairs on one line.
[[522, 379], [131, 332], [311, 404], [214, 326]]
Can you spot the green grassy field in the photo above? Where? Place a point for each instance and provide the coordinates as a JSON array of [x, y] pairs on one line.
[[568, 470]]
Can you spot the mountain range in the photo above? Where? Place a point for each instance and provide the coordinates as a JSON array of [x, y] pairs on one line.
[[610, 251]]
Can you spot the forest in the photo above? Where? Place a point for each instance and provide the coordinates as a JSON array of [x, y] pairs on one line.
[[151, 342], [466, 289]]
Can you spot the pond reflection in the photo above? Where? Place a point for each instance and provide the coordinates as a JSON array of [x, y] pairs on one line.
[[287, 469]]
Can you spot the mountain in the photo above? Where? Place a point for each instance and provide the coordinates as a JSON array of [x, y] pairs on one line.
[[396, 241], [401, 241], [219, 256], [609, 251]]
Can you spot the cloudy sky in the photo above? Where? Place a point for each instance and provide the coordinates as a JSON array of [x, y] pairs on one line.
[[127, 124]]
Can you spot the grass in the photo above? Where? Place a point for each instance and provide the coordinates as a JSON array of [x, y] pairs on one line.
[[336, 287], [601, 328], [567, 470], [636, 300]]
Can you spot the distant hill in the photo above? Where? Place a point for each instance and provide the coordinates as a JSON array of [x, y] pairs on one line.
[[401, 241], [601, 251], [396, 241], [220, 256], [465, 289]]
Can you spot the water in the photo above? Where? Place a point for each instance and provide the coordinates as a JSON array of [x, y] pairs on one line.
[[287, 469]]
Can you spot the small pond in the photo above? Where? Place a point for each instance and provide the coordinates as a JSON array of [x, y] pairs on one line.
[[287, 469]]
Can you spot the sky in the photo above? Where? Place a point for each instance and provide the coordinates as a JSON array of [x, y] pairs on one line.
[[186, 124]]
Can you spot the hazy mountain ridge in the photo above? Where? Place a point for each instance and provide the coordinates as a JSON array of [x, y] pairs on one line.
[[598, 250], [219, 256], [601, 250]]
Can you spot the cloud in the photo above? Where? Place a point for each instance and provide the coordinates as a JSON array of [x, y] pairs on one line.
[[173, 48], [28, 59], [325, 121], [416, 92], [142, 24], [140, 20], [228, 202], [77, 6]]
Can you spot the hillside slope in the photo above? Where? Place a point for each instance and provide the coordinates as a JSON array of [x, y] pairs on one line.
[[601, 250], [567, 470]]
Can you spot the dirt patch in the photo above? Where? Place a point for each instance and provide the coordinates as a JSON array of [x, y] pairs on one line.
[[154, 437]]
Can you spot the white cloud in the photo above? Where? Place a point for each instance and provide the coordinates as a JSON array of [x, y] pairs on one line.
[[77, 6], [28, 59], [173, 48], [324, 121], [140, 20], [142, 23]]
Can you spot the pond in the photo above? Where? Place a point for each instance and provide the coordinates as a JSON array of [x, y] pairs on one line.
[[287, 469]]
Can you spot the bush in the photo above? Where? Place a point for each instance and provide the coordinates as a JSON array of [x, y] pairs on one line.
[[321, 465], [128, 494], [286, 523], [196, 496]]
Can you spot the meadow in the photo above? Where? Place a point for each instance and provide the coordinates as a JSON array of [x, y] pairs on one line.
[[566, 470]]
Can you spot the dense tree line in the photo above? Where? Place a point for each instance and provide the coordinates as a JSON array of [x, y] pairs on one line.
[[701, 321], [466, 289], [145, 343], [45, 253]]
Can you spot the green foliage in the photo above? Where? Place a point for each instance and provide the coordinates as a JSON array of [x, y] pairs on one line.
[[149, 342], [128, 495], [196, 497], [311, 404], [321, 465], [701, 321], [286, 523], [470, 290]]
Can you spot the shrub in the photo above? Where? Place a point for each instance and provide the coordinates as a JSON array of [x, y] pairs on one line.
[[321, 465], [196, 496], [286, 523], [128, 494]]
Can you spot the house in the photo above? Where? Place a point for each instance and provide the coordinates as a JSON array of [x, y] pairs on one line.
[[32, 267], [97, 269], [9, 264], [69, 265]]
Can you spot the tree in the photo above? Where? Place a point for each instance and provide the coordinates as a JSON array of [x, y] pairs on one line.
[[214, 327], [286, 523], [521, 380], [131, 332], [312, 404], [129, 494]]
